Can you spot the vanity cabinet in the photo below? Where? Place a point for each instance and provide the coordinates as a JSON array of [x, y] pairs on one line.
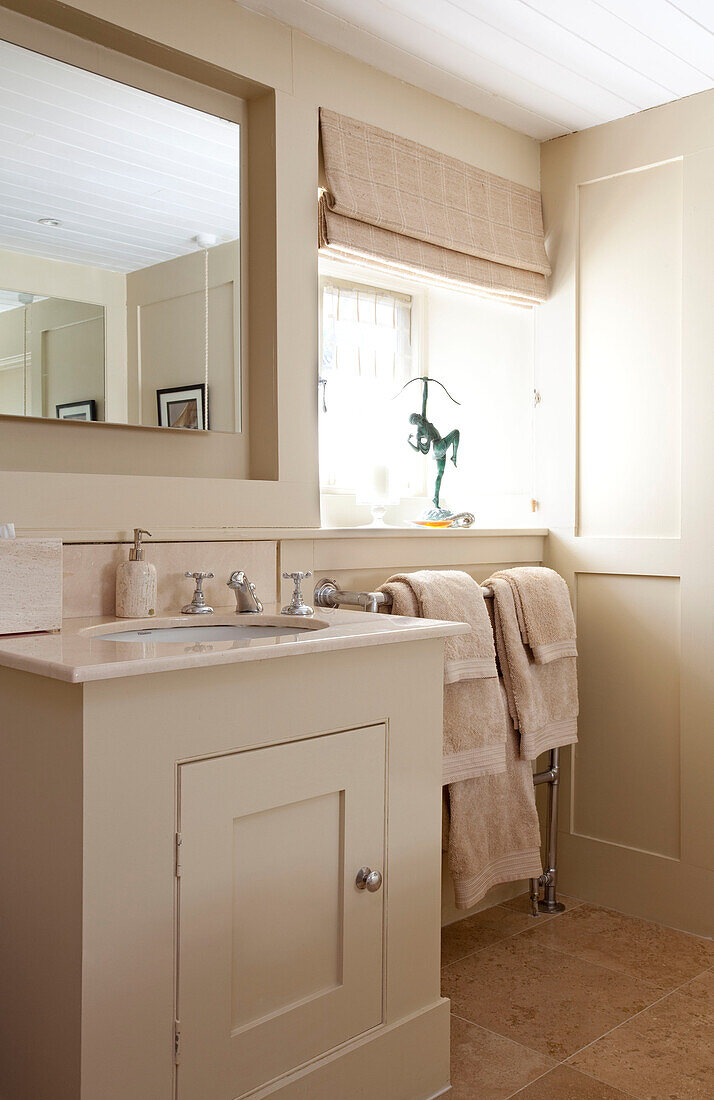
[[180, 913], [273, 932]]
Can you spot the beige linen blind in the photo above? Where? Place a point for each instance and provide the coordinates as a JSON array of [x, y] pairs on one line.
[[411, 209]]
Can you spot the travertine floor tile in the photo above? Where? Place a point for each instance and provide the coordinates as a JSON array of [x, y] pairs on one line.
[[662, 956], [481, 930], [522, 904], [665, 1053], [702, 990], [488, 1066], [544, 999], [564, 1083]]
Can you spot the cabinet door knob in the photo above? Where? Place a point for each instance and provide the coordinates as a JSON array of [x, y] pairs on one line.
[[367, 879]]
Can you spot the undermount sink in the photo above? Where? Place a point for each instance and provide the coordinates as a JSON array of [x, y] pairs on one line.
[[204, 633]]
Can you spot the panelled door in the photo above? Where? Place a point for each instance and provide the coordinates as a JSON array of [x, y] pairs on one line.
[[279, 953], [630, 320]]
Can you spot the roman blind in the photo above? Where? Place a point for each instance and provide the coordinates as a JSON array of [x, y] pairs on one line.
[[407, 208]]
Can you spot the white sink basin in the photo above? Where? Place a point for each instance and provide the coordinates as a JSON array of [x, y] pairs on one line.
[[204, 633]]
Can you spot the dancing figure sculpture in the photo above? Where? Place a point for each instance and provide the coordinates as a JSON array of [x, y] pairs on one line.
[[428, 438]]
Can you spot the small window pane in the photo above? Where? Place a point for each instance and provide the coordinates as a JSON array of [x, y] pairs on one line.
[[367, 356]]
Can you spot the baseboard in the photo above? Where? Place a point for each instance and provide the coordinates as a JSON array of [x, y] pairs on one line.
[[407, 1060]]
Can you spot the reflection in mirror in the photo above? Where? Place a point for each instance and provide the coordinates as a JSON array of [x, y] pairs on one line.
[[119, 252], [51, 357]]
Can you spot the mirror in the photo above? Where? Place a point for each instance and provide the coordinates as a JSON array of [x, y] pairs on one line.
[[119, 252]]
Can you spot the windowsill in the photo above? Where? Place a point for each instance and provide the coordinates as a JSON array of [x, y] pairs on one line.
[[277, 534], [366, 532]]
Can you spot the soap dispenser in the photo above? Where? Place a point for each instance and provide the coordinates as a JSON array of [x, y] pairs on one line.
[[136, 583]]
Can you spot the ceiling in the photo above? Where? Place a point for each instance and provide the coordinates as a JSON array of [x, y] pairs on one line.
[[132, 178], [544, 67]]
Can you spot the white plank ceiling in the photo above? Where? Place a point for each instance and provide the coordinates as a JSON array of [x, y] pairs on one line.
[[544, 67], [131, 177]]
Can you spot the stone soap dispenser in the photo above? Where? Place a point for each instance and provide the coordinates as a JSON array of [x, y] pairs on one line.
[[136, 583]]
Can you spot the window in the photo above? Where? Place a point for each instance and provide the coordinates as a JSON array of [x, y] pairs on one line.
[[368, 353], [377, 333]]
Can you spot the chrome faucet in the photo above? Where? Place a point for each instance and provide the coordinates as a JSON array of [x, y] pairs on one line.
[[297, 605], [198, 605], [247, 601]]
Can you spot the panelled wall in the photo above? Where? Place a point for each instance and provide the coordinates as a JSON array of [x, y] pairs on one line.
[[361, 560], [627, 465]]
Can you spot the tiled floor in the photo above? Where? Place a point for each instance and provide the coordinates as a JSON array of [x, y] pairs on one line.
[[585, 1005]]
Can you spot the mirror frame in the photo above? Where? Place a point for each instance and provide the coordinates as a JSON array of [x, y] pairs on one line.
[[73, 478]]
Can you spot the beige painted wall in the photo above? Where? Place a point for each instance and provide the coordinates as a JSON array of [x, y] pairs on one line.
[[626, 460], [128, 471]]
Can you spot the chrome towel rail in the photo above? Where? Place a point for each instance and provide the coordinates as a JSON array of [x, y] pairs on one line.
[[329, 594]]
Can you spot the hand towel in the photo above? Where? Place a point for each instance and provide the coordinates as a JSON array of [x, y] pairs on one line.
[[493, 829], [474, 738], [542, 699], [545, 617]]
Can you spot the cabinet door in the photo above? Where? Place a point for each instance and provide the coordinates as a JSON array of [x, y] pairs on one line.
[[279, 954]]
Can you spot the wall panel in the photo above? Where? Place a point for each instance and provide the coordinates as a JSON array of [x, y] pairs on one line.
[[627, 760], [629, 274]]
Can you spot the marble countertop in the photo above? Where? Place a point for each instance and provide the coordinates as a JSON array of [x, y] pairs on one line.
[[77, 654]]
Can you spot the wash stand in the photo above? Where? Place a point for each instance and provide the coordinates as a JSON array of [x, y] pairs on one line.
[[328, 594]]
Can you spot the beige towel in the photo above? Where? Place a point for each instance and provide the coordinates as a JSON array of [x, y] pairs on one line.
[[542, 699], [474, 739], [545, 616], [493, 830]]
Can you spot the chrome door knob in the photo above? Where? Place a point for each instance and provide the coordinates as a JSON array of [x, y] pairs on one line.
[[367, 879]]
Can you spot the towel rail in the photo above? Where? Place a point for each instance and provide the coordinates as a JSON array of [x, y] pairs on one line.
[[329, 594]]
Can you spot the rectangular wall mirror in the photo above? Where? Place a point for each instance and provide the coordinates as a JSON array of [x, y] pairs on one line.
[[119, 251]]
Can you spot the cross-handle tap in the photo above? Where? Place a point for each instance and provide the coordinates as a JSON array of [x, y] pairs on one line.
[[297, 605], [247, 601], [198, 605]]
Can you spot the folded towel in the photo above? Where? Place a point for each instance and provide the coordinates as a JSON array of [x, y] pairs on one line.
[[542, 699], [545, 617], [493, 830], [474, 738]]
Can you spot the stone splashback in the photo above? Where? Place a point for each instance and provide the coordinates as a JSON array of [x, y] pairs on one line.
[[89, 573]]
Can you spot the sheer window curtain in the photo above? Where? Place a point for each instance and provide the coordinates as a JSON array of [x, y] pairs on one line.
[[367, 355]]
